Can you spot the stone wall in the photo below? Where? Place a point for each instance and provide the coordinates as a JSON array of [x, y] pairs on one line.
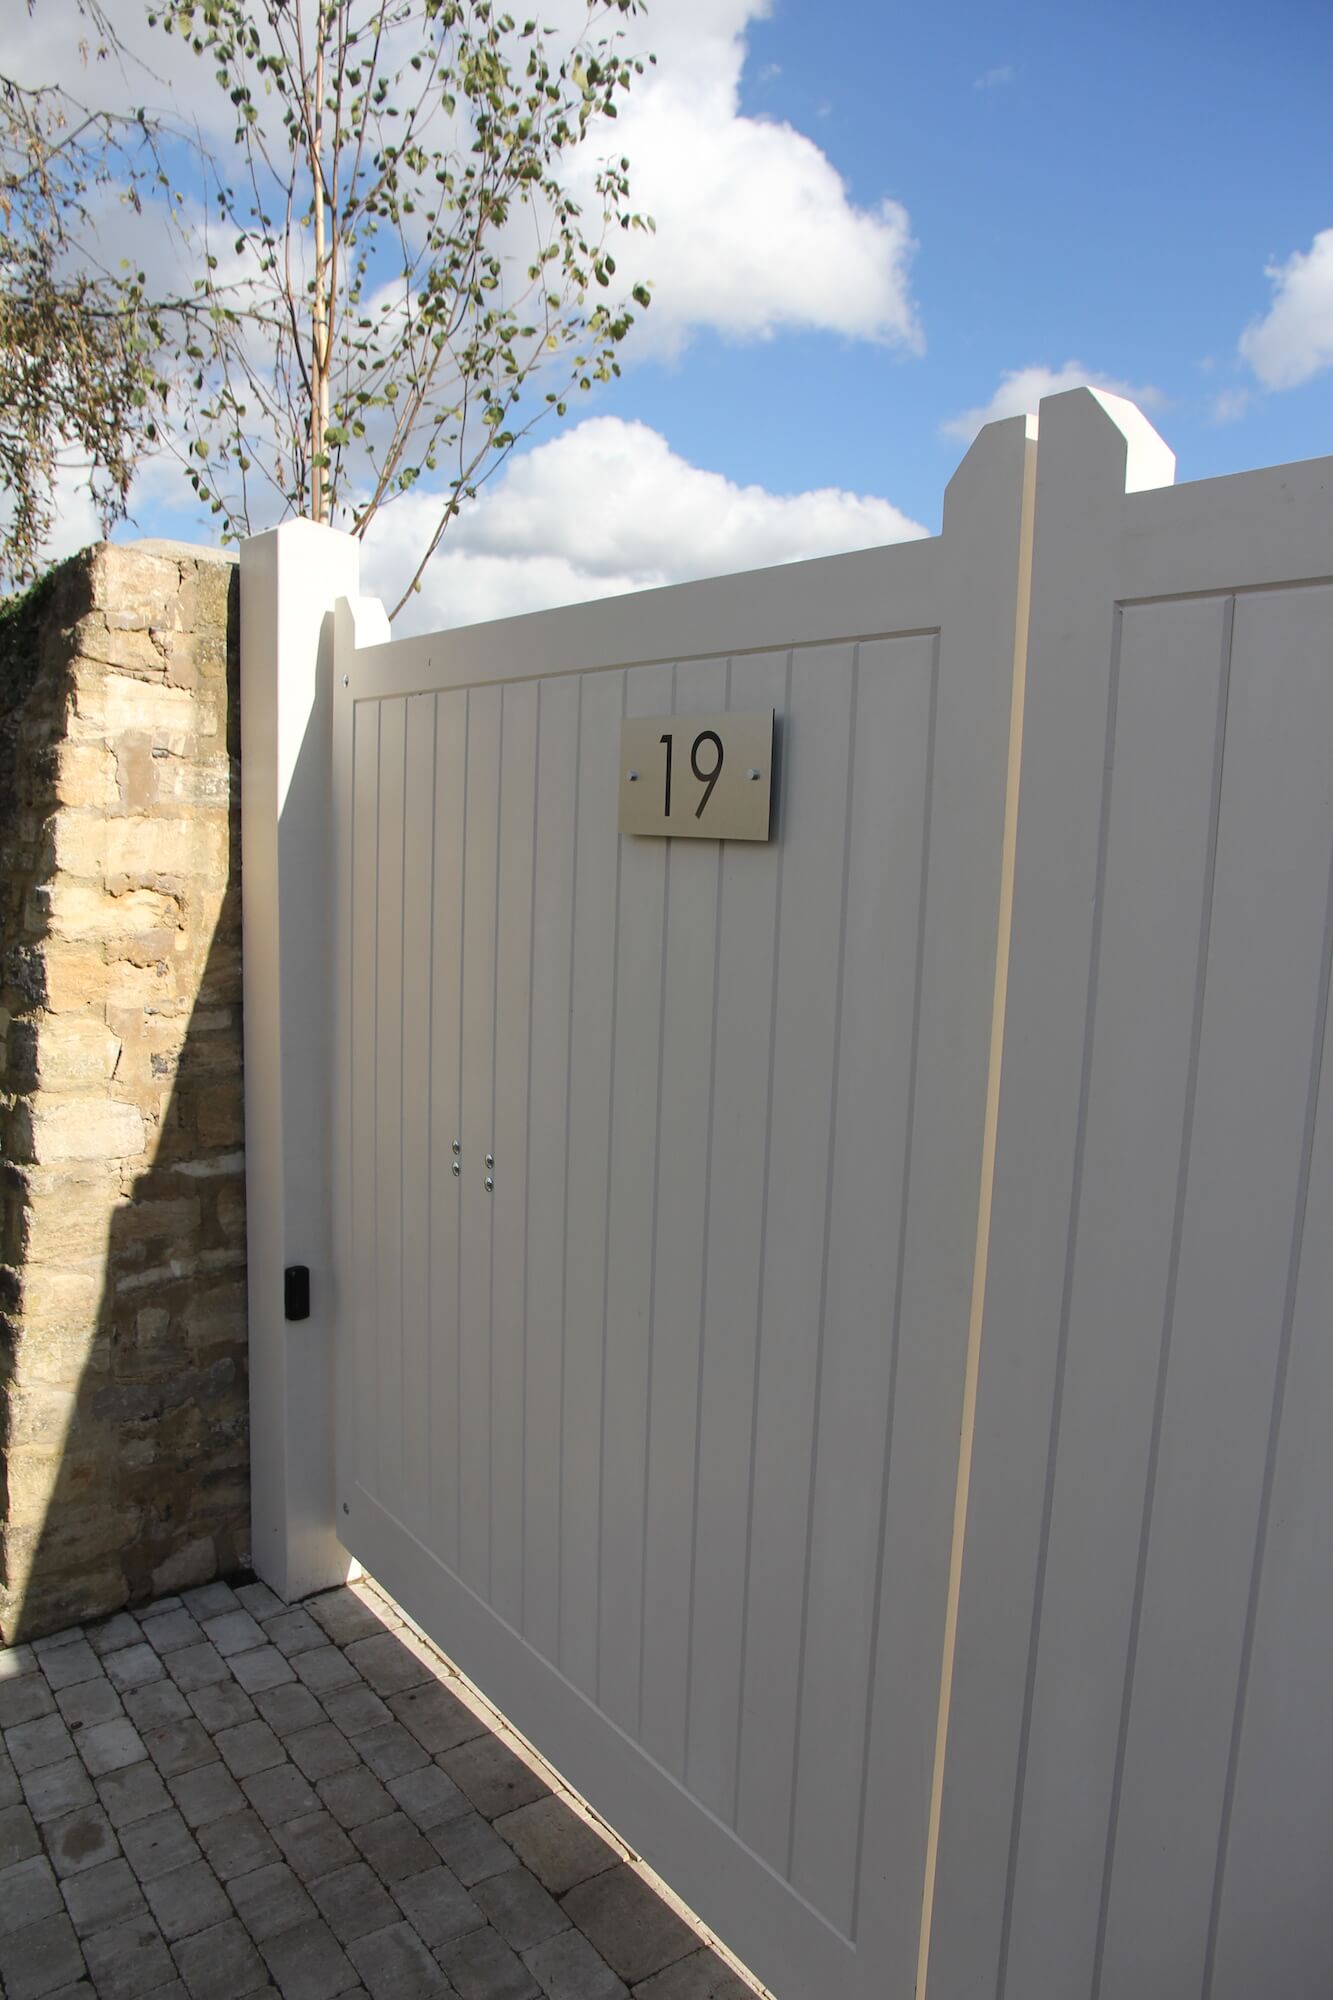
[[122, 1254]]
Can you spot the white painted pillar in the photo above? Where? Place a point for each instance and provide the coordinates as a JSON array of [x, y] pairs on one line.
[[290, 580]]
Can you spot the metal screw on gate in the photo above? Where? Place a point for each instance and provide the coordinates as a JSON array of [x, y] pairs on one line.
[[634, 777], [489, 1184], [457, 1150], [347, 680], [490, 1159], [457, 1169], [754, 774]]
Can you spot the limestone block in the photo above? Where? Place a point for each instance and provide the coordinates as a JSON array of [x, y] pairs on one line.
[[231, 1211], [215, 1320], [61, 1357], [195, 1563], [138, 778], [75, 1049], [75, 979], [130, 579], [32, 1478], [204, 595], [197, 781], [218, 1164], [166, 1220], [86, 776], [168, 716], [78, 840], [79, 911], [62, 1220], [93, 1528], [112, 648], [204, 654], [58, 1303], [49, 1603], [83, 1128], [39, 1417], [220, 1115], [139, 851]]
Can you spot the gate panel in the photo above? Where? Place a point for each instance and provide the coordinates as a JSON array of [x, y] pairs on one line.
[[476, 1134], [684, 1188], [559, 705], [667, 1379], [747, 943], [515, 918], [418, 901], [640, 918], [591, 1030], [883, 902], [441, 1083], [1128, 1724]]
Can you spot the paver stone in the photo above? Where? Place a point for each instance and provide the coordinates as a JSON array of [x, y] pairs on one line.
[[437, 1906], [102, 1896], [39, 1958], [238, 1845], [308, 1963], [628, 1922], [395, 1965], [129, 1961], [567, 1968], [155, 1846], [187, 1900], [352, 1902], [57, 1789], [558, 1846], [220, 1964], [270, 1900]]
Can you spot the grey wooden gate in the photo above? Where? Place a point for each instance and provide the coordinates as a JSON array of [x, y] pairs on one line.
[[658, 1170]]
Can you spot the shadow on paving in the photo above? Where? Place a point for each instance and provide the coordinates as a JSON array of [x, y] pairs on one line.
[[223, 1795]]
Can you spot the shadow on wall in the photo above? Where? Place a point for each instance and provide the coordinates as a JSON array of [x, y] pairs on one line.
[[122, 1291]]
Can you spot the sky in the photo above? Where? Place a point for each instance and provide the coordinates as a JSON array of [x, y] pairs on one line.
[[876, 228]]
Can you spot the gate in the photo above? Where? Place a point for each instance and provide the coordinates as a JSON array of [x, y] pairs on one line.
[[658, 1174], [833, 1333]]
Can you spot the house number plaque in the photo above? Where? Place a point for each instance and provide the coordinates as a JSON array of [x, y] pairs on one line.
[[697, 777]]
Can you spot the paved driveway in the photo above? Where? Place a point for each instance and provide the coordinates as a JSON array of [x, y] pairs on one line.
[[227, 1795]]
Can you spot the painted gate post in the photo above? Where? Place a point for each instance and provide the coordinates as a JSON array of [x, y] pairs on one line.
[[290, 580]]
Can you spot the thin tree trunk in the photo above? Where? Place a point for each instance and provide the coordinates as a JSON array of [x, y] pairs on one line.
[[319, 372]]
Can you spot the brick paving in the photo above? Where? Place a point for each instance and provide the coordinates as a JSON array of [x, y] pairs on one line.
[[226, 1795]]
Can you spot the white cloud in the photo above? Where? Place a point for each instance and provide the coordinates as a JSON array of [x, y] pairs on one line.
[[756, 231], [604, 508], [75, 521], [1230, 406], [1023, 388], [994, 79], [1294, 340]]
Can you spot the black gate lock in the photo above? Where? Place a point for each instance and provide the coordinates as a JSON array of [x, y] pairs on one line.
[[296, 1291]]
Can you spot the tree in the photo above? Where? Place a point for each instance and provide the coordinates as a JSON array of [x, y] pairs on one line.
[[76, 341], [394, 250], [374, 264]]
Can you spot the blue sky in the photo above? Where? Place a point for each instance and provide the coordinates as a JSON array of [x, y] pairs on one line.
[[1103, 185], [876, 226]]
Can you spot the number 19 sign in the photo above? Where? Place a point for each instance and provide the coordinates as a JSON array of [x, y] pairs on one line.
[[697, 777]]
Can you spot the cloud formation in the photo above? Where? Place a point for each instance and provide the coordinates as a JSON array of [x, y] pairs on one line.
[[1023, 388], [604, 508], [756, 232], [1293, 342]]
